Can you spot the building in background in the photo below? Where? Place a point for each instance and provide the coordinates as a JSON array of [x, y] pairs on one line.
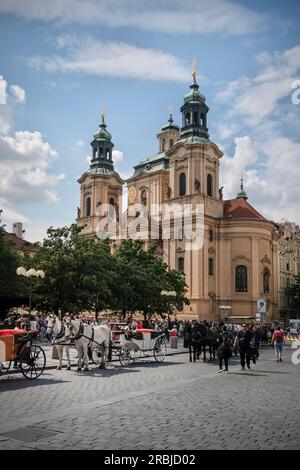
[[238, 263], [288, 264]]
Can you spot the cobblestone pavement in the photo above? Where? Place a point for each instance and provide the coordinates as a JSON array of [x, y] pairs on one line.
[[173, 405]]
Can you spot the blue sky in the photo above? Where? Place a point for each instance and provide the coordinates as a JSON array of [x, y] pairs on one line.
[[64, 61]]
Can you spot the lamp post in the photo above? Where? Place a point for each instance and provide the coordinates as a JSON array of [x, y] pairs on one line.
[[31, 273]]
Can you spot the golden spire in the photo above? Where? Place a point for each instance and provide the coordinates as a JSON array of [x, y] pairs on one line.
[[194, 73]]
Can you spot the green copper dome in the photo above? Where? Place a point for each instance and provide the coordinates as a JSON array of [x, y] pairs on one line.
[[102, 134], [170, 125], [193, 96]]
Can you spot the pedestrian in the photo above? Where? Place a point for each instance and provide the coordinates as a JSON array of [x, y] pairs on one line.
[[244, 341], [224, 352], [277, 341]]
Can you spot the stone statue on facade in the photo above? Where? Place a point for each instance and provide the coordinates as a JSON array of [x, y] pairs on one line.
[[197, 185], [169, 191], [78, 212], [221, 193]]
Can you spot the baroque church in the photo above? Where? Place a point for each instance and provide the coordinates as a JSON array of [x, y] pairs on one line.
[[238, 262]]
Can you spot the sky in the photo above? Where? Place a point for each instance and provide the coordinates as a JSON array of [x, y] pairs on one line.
[[63, 62]]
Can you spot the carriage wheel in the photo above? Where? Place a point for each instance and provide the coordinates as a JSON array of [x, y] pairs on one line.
[[4, 367], [124, 356], [160, 350], [97, 356], [33, 361], [135, 354]]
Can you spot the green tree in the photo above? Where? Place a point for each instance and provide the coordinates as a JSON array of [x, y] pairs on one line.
[[141, 277], [79, 272], [10, 285]]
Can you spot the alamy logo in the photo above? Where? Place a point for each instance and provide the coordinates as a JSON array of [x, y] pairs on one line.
[[296, 354]]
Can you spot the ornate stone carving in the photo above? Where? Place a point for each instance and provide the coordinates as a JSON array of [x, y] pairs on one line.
[[197, 185]]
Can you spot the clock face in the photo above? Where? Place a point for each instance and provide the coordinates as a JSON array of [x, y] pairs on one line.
[[131, 194]]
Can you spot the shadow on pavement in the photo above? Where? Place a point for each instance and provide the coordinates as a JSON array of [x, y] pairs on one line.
[[16, 383]]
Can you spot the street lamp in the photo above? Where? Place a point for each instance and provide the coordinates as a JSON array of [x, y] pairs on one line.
[[30, 274]]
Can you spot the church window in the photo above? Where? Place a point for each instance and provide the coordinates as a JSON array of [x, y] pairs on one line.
[[144, 197], [210, 266], [181, 264], [211, 235], [187, 119], [107, 153], [101, 151], [241, 279], [88, 207], [209, 185], [111, 210], [182, 184], [195, 118], [163, 145], [171, 143]]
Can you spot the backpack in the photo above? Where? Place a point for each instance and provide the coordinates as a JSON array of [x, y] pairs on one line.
[[278, 337]]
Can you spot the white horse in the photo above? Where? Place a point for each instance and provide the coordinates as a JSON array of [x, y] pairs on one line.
[[57, 328], [96, 337]]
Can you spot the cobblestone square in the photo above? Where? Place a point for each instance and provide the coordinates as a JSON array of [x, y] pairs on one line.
[[168, 406]]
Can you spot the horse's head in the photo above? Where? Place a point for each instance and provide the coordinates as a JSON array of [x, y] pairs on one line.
[[69, 329], [51, 320]]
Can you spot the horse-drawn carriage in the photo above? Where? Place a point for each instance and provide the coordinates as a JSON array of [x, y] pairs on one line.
[[17, 345], [141, 342]]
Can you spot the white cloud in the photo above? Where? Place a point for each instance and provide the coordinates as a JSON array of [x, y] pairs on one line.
[[3, 87], [24, 176], [171, 16], [117, 156], [79, 143], [89, 56], [255, 99], [9, 215], [18, 93]]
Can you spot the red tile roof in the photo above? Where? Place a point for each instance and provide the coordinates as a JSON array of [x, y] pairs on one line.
[[20, 244], [240, 208]]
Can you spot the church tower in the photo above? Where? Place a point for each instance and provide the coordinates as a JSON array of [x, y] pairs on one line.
[[194, 158], [101, 184]]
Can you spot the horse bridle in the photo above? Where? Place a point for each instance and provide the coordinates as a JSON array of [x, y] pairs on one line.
[[61, 334]]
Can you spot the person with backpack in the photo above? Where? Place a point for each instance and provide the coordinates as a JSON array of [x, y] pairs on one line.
[[244, 340], [224, 350], [277, 341]]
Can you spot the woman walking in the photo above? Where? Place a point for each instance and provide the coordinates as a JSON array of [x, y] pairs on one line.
[[277, 341]]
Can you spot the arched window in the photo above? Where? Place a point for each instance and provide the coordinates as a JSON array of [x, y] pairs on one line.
[[210, 266], [182, 184], [163, 145], [111, 210], [209, 185], [181, 264], [88, 207], [95, 153], [211, 235], [241, 279], [144, 197], [107, 153], [187, 119], [195, 118], [266, 281], [202, 120], [171, 143]]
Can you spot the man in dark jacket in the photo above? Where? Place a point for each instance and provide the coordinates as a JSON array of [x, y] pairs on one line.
[[244, 340]]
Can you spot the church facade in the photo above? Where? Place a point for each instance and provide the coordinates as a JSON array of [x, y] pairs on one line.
[[237, 265]]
